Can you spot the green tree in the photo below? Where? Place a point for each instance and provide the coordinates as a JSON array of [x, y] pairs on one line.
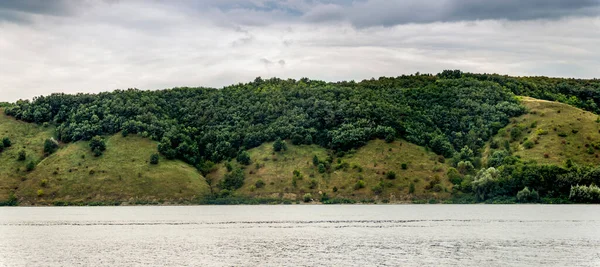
[[97, 145], [279, 145], [50, 146], [6, 142], [315, 160], [233, 180], [244, 158], [154, 159], [22, 155]]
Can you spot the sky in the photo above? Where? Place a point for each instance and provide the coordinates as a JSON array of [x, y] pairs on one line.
[[71, 46]]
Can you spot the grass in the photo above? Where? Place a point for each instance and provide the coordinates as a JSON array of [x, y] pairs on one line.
[[24, 136], [122, 173], [557, 131], [369, 163]]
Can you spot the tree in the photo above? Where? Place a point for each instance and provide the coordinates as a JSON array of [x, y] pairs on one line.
[[154, 159], [233, 180], [30, 166], [526, 196], [50, 146], [321, 168], [6, 142], [315, 160], [279, 145], [97, 145], [485, 182], [244, 158], [22, 155], [390, 175]]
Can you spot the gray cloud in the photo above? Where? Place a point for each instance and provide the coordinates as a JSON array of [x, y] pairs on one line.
[[94, 46], [389, 13]]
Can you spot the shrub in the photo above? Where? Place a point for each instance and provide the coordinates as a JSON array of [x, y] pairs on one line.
[[390, 175], [321, 168], [335, 189], [324, 197], [50, 146], [22, 155], [1, 147], [389, 138], [526, 196], [315, 161], [243, 158], [279, 145], [359, 185], [562, 134], [233, 180], [40, 192], [438, 188], [515, 133], [404, 166], [97, 145], [6, 142], [465, 167], [454, 177], [30, 166], [541, 132], [313, 184], [307, 197], [378, 189], [228, 166], [411, 188], [585, 194], [528, 144], [259, 184], [43, 182], [154, 159]]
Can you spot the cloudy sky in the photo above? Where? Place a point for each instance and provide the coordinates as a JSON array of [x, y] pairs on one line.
[[74, 46]]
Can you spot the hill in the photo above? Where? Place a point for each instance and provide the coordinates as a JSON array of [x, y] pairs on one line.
[[451, 137], [377, 171], [74, 175], [551, 133]]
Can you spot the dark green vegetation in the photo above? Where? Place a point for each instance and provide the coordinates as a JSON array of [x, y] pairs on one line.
[[440, 138]]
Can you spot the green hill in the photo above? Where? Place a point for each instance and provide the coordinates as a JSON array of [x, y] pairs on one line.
[[290, 174], [451, 137], [552, 132]]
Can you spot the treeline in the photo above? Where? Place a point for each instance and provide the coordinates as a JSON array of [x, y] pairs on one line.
[[204, 125]]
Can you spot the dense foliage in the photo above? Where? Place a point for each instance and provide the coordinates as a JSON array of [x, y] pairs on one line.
[[199, 125]]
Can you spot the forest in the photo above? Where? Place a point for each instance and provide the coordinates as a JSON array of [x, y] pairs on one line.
[[454, 114]]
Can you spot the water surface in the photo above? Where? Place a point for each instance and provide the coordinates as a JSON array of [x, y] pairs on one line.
[[302, 235]]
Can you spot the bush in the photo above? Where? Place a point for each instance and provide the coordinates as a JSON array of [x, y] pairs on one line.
[[411, 188], [585, 194], [233, 180], [279, 145], [307, 197], [515, 133], [465, 167], [404, 166], [541, 132], [22, 155], [259, 184], [526, 196], [154, 159], [324, 197], [438, 188], [6, 142], [313, 184], [321, 168], [315, 161], [50, 146], [359, 185], [97, 145], [454, 177], [43, 182], [528, 144], [378, 189], [390, 175], [243, 158], [30, 166], [40, 192], [335, 189]]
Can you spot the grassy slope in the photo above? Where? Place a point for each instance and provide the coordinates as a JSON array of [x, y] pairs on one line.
[[74, 174], [123, 173], [376, 158], [554, 118], [24, 136]]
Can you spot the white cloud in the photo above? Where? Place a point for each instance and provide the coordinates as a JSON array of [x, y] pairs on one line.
[[151, 45]]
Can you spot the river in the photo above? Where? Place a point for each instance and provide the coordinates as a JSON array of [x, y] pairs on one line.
[[302, 235]]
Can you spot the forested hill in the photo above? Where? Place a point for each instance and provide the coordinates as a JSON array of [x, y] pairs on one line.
[[485, 138], [205, 124]]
